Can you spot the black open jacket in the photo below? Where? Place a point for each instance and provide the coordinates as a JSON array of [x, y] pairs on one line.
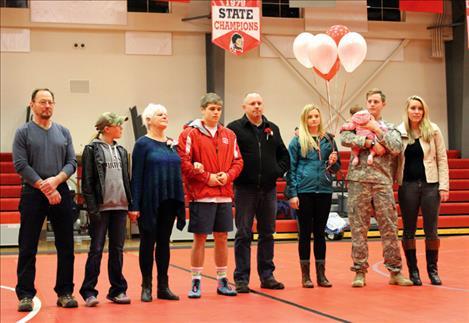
[[94, 173]]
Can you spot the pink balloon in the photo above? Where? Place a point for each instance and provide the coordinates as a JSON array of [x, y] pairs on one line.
[[337, 32], [322, 52], [352, 51], [300, 48]]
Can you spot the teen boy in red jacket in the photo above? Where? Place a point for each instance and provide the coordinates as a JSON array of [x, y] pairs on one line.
[[211, 160]]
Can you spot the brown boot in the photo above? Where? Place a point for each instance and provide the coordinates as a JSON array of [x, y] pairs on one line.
[[432, 247], [305, 278], [411, 258], [321, 274]]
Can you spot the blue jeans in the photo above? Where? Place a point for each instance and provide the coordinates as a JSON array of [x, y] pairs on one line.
[[34, 207], [415, 195], [113, 222], [260, 203]]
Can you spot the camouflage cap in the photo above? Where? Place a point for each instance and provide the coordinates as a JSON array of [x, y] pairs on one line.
[[109, 119]]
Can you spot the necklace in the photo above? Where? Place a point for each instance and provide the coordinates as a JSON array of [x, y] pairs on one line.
[[317, 139]]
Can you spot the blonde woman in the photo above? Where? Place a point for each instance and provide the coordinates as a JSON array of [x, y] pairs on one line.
[[423, 183], [313, 157]]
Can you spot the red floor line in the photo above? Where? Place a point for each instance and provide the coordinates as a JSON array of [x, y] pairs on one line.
[[278, 299]]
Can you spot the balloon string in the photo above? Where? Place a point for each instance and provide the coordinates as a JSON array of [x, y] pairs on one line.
[[329, 100], [340, 106]]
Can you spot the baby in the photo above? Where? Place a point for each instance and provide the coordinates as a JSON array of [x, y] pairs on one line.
[[360, 117]]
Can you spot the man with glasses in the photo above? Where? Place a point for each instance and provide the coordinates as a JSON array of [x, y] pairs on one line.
[[265, 159], [44, 157]]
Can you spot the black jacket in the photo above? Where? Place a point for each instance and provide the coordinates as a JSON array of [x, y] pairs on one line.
[[94, 173], [265, 156]]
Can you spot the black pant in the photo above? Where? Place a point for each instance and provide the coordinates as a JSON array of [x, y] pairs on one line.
[[113, 222], [34, 207], [312, 218], [261, 204], [160, 235], [415, 195]]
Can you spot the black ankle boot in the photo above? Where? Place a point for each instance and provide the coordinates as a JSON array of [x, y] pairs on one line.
[[411, 257], [146, 290], [432, 247], [163, 291], [166, 293]]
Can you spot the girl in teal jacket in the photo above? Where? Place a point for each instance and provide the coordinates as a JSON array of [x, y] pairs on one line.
[[313, 159]]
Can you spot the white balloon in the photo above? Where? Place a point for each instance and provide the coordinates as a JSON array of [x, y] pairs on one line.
[[300, 49], [352, 51], [322, 52]]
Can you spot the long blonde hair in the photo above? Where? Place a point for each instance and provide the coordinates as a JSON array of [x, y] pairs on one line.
[[425, 126], [305, 139]]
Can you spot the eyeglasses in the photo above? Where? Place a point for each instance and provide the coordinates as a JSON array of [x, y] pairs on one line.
[[255, 103], [45, 102]]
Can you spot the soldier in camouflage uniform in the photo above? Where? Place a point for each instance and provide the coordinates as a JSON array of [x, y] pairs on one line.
[[370, 193]]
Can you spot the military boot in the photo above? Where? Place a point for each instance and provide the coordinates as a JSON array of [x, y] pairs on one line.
[[359, 280], [399, 279]]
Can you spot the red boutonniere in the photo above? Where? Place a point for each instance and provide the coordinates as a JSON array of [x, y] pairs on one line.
[[268, 133]]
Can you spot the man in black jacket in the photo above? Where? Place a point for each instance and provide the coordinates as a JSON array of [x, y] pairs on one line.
[[265, 159]]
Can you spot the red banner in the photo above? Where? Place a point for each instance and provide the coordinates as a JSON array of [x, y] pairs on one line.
[[236, 25], [435, 6]]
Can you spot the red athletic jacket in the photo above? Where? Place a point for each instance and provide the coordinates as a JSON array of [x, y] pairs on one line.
[[217, 154]]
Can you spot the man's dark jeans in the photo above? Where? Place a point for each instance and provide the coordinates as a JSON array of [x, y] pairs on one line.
[[114, 222], [34, 207], [260, 203]]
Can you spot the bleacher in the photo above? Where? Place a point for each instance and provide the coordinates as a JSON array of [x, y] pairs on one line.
[[453, 213]]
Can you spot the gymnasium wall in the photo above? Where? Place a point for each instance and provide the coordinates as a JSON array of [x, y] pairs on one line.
[[118, 81]]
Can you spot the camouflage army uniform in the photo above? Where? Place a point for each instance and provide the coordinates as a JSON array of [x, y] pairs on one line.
[[370, 192]]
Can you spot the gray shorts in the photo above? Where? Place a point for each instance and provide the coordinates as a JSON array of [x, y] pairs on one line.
[[207, 218]]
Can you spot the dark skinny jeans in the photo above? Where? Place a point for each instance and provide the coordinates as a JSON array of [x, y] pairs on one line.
[[419, 194]]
